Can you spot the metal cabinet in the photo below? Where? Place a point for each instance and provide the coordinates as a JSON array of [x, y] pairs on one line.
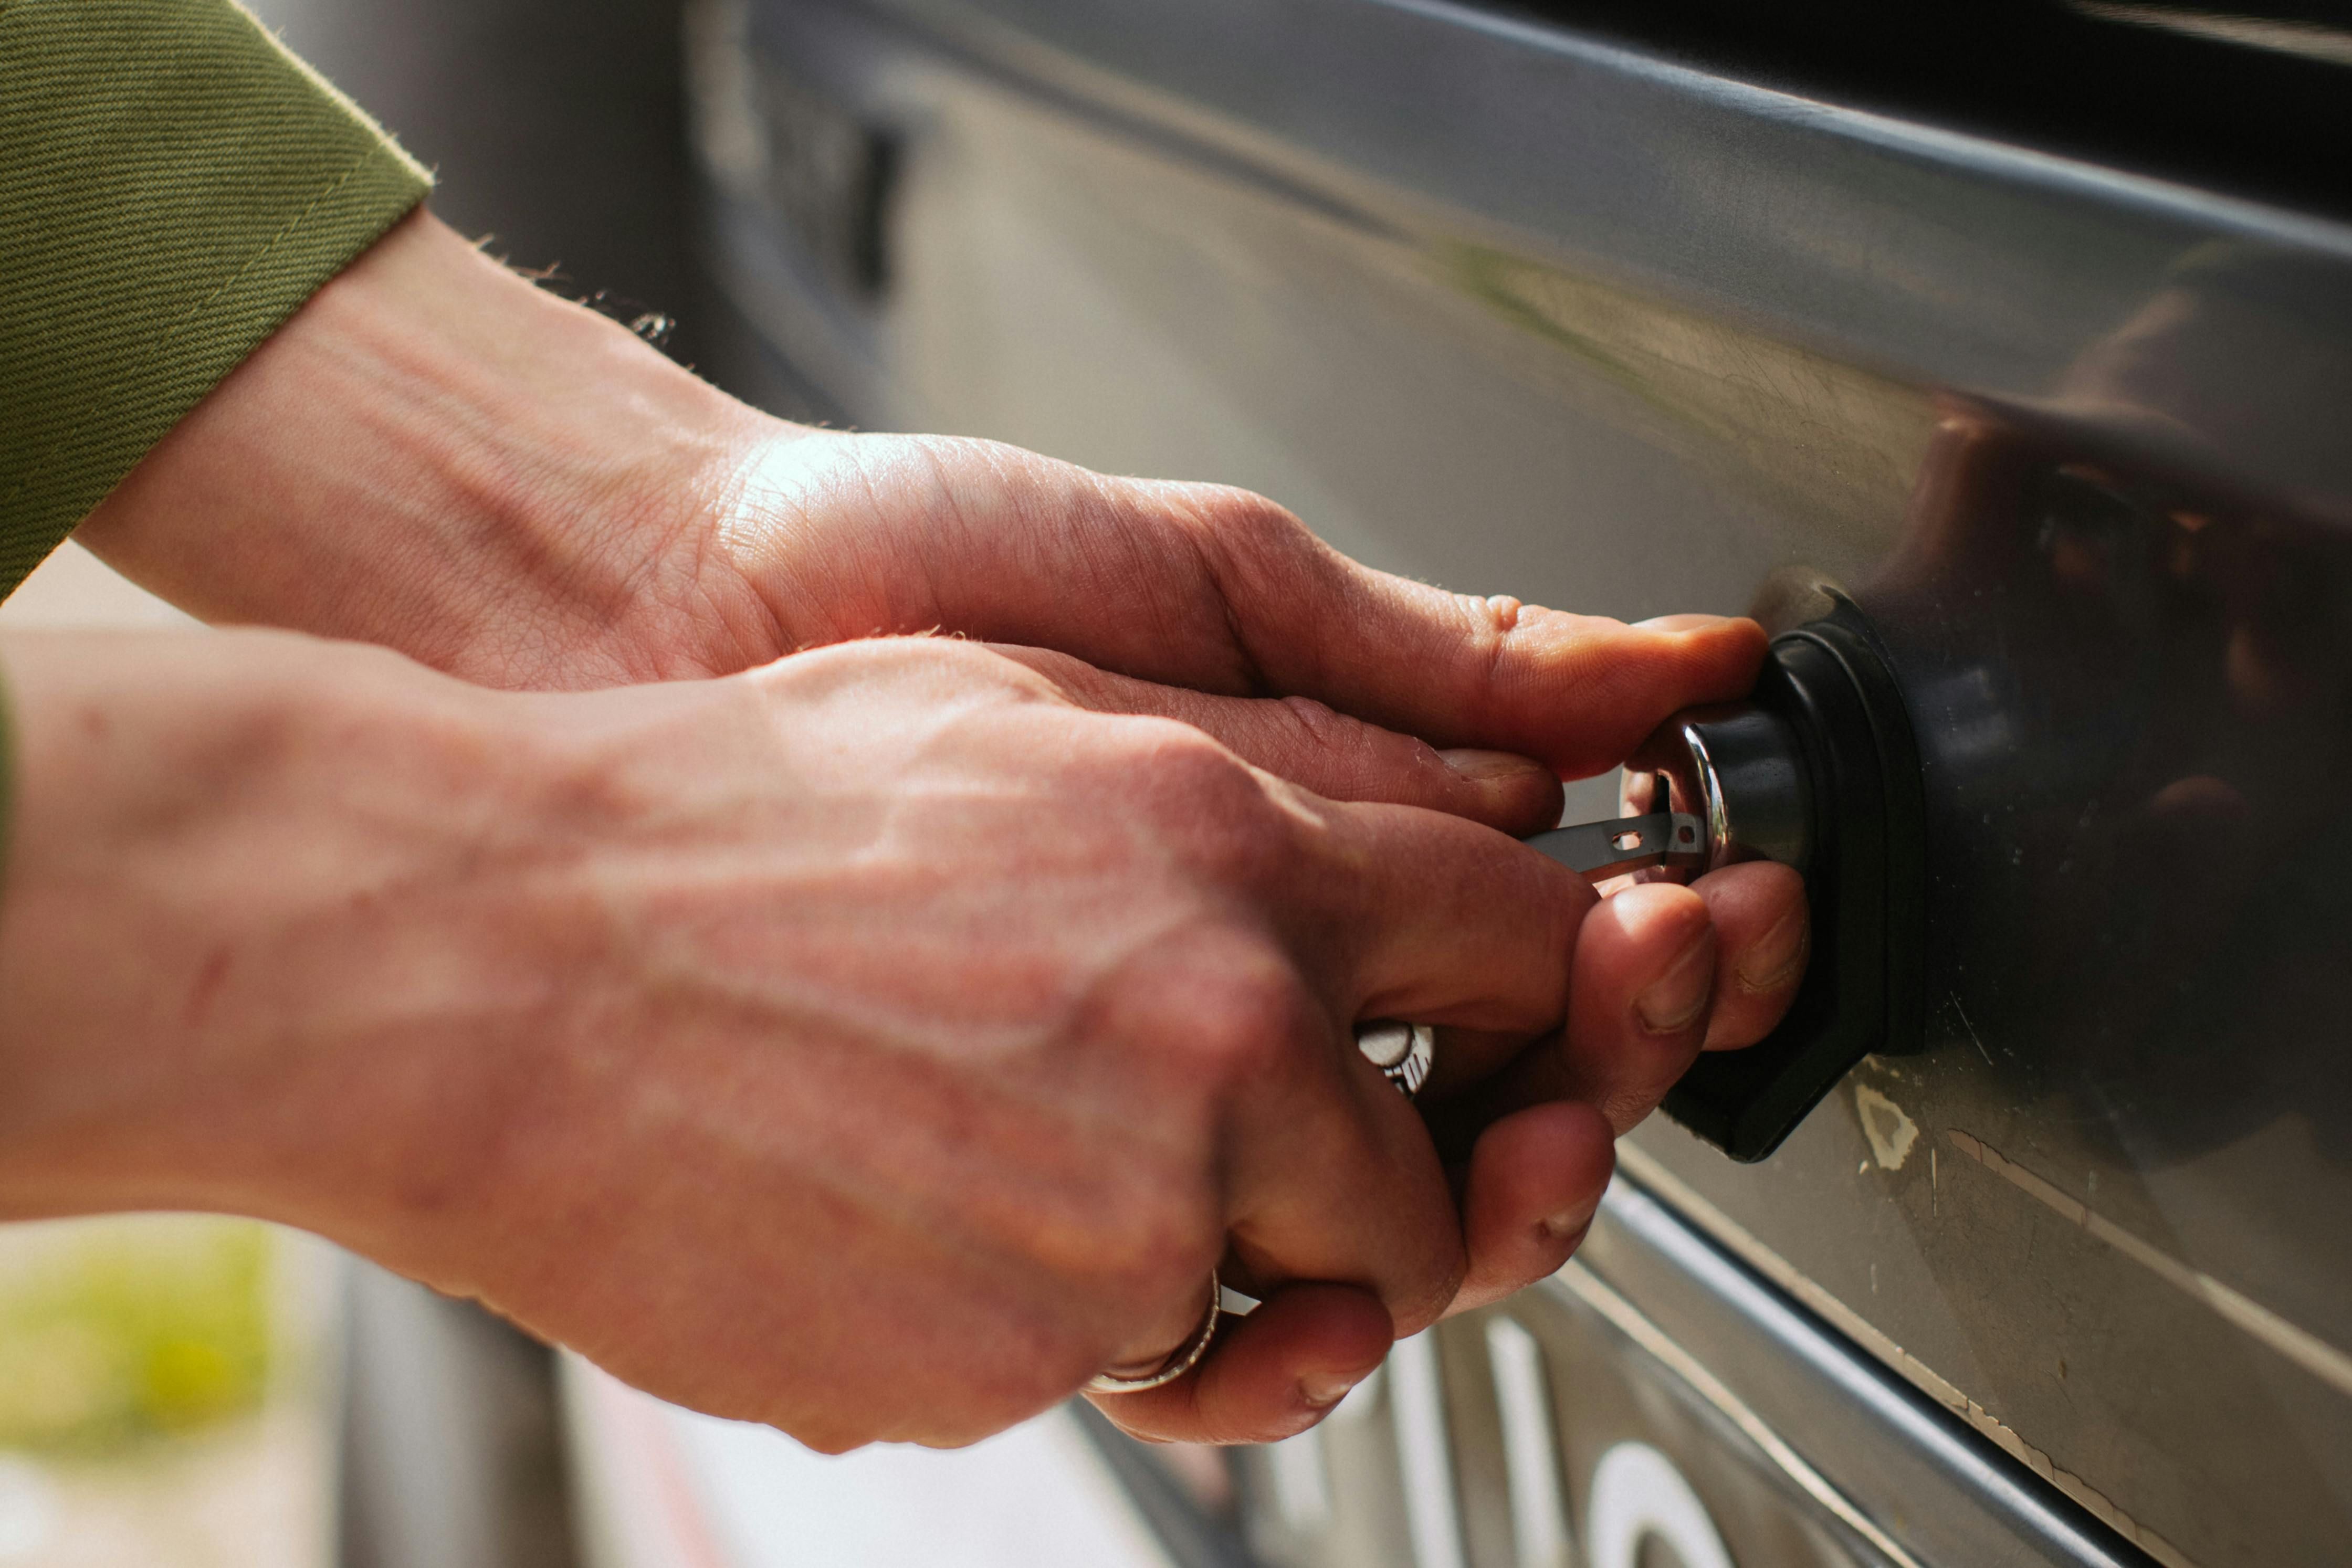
[[1506, 304]]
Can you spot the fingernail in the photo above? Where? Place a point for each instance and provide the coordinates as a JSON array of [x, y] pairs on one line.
[[1486, 767], [1682, 622], [1675, 999], [1324, 1389], [1780, 955]]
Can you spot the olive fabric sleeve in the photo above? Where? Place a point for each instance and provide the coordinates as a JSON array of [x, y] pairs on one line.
[[174, 184]]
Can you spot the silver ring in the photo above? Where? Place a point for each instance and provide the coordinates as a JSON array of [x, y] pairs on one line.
[[1179, 1362], [1402, 1052]]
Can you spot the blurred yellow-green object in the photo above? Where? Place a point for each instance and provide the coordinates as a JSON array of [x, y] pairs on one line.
[[119, 1329]]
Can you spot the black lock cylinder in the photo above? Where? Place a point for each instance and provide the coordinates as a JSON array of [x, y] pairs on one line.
[[1817, 769]]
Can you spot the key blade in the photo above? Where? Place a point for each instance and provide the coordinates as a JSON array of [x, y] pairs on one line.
[[1603, 849]]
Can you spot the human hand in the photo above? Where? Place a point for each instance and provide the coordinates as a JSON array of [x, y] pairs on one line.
[[876, 1044]]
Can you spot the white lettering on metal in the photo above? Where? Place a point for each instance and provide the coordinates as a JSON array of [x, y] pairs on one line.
[[1637, 1492]]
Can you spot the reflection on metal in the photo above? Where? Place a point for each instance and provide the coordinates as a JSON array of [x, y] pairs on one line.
[[2314, 1354], [1417, 1405], [1302, 1481], [1589, 1289], [1530, 1452], [1637, 1496], [1738, 767], [1500, 305]]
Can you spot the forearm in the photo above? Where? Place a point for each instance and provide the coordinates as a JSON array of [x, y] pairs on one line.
[[236, 869], [435, 455]]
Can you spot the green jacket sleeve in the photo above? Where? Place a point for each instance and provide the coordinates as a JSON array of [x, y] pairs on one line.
[[174, 184]]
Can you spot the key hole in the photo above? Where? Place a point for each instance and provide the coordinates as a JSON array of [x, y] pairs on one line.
[[1627, 841]]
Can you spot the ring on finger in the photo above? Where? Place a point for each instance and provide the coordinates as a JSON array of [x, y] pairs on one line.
[[1402, 1052], [1175, 1363]]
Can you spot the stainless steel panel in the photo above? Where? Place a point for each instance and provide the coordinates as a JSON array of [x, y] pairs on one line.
[[1493, 304], [1717, 1415]]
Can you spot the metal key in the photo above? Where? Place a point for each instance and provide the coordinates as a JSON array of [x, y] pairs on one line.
[[1602, 849]]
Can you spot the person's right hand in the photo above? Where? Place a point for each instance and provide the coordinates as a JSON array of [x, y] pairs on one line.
[[876, 1044]]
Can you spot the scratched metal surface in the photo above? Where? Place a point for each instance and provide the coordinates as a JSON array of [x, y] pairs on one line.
[[1500, 306]]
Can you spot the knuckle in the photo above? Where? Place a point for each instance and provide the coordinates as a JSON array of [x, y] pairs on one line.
[[1156, 1234], [1319, 726], [1149, 1217], [1240, 852], [1165, 1256], [1207, 804], [1243, 516], [1242, 1019], [1258, 522], [1242, 529]]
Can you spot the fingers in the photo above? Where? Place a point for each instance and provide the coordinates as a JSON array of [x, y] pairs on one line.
[[1763, 938], [1272, 1374], [1534, 1182], [1639, 998], [1733, 945], [1340, 1221], [1533, 1187], [1336, 757], [1639, 993], [1325, 1174], [1330, 1176], [1576, 692], [1426, 917]]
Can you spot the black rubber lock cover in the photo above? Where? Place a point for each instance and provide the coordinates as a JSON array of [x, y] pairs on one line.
[[1830, 680]]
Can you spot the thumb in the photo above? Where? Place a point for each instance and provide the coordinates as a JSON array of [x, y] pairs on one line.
[[1222, 591], [1576, 692]]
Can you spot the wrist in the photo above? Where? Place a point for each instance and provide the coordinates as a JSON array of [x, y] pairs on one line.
[[435, 455]]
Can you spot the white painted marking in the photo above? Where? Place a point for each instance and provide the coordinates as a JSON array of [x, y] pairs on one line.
[[1531, 1446], [1637, 1493], [1711, 1388], [1417, 1405]]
